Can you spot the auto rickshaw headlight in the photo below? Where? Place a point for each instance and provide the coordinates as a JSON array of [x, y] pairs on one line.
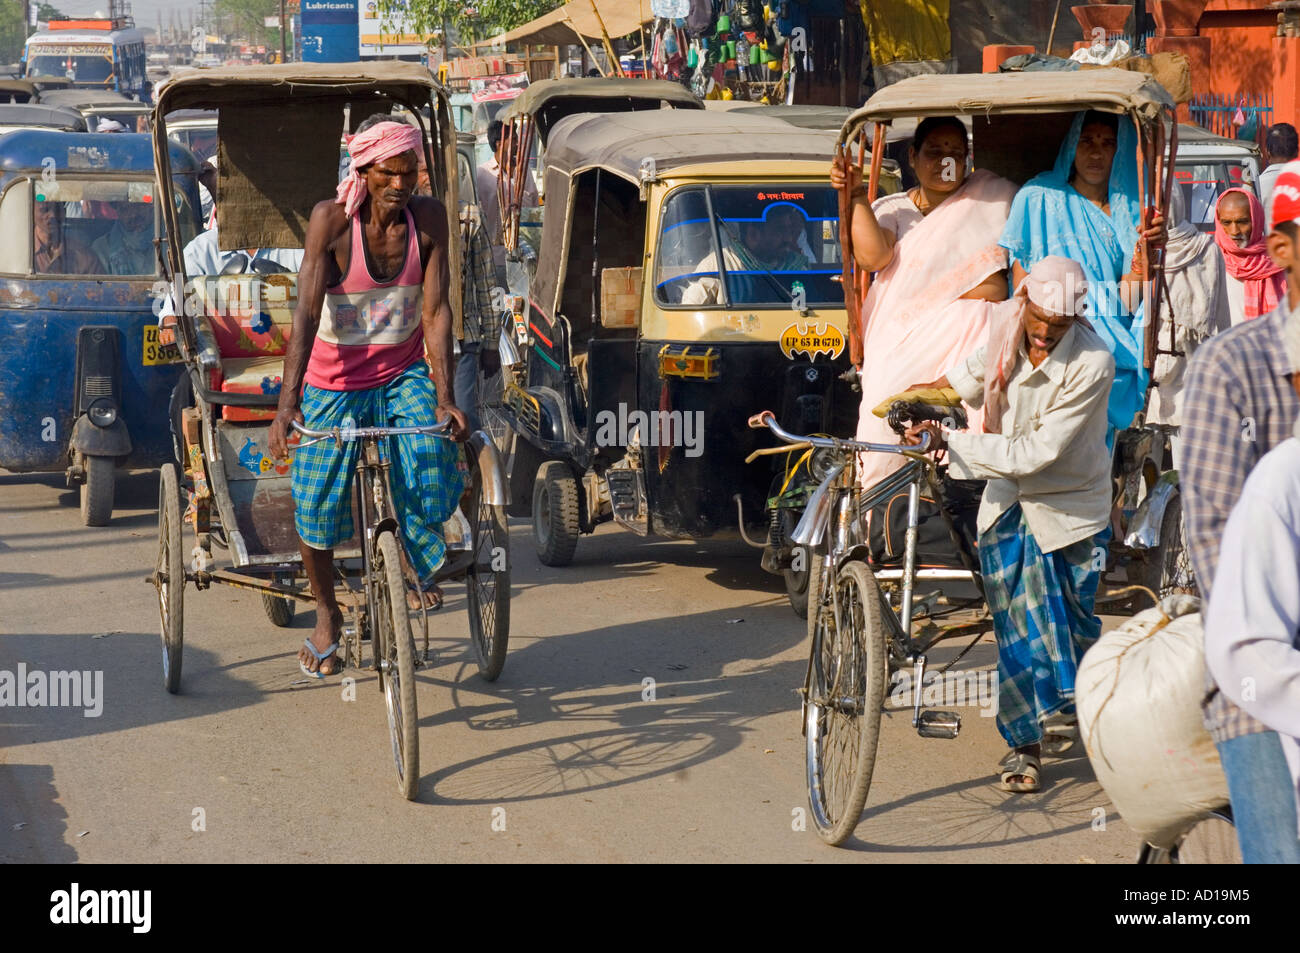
[[102, 413]]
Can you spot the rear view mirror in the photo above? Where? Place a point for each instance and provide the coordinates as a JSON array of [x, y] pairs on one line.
[[620, 297]]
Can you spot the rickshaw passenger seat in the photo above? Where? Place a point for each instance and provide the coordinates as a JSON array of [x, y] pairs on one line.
[[251, 336]]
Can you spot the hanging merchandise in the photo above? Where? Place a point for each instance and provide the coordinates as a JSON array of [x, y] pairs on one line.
[[749, 15], [670, 9], [700, 18]]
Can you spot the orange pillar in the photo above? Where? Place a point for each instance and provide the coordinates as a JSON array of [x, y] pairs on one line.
[[1286, 79]]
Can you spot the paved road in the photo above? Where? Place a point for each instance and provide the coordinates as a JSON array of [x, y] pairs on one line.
[[563, 753]]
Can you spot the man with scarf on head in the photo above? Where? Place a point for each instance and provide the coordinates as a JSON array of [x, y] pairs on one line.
[[372, 299], [1255, 283], [1241, 402], [1044, 379]]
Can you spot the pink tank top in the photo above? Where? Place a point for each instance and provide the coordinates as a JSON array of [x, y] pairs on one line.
[[369, 331]]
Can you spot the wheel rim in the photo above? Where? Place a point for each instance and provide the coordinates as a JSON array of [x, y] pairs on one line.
[[391, 675], [543, 520], [162, 575], [836, 708], [482, 589]]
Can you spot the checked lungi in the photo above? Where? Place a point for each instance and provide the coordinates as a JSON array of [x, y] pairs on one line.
[[427, 476], [1042, 615]]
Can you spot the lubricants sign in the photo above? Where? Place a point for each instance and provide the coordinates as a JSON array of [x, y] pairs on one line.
[[329, 31]]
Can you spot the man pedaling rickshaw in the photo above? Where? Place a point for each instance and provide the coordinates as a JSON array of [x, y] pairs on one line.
[[372, 296]]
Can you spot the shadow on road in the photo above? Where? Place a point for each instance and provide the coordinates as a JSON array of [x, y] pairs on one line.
[[33, 824]]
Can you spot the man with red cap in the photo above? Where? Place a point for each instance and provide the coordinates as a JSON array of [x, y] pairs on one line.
[[1044, 380], [372, 300], [1241, 403]]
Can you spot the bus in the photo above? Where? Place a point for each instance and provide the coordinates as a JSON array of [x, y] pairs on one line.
[[93, 54]]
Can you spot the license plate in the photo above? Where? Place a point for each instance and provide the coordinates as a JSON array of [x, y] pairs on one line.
[[155, 352]]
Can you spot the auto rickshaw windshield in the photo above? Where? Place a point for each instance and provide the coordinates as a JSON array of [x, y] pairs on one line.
[[780, 247]]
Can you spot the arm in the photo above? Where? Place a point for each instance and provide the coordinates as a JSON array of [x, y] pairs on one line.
[[999, 456], [327, 220], [873, 246], [431, 219], [1216, 458], [1254, 614]]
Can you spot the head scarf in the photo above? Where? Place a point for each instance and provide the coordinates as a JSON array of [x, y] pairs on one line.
[[1050, 217], [381, 141], [1195, 300], [1250, 265], [1058, 286]]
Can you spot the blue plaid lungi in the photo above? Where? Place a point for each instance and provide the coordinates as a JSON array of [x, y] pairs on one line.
[[427, 476], [1042, 615]]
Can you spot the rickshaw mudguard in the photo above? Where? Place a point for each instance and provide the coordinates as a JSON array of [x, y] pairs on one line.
[[492, 472], [94, 441], [1144, 531]]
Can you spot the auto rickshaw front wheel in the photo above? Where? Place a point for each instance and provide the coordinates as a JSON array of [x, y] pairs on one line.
[[555, 513], [97, 490]]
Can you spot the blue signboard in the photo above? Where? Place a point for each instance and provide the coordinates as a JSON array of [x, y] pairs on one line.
[[330, 31]]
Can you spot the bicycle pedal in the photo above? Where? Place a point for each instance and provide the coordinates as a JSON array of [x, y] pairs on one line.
[[938, 724]]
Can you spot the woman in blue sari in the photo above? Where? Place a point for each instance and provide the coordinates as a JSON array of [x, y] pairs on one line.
[[1086, 209]]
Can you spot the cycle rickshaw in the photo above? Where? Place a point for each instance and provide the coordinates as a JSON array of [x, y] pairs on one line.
[[864, 611], [279, 130]]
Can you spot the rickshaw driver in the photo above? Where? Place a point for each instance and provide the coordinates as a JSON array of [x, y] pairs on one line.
[[768, 245], [54, 253], [358, 346]]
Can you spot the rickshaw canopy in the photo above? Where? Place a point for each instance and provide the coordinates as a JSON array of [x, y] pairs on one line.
[[1108, 90], [550, 100]]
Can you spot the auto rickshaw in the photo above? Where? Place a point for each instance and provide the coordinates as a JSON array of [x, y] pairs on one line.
[[625, 376], [82, 367], [1017, 123]]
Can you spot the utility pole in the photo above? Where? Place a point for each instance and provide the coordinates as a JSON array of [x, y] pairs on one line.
[[284, 39]]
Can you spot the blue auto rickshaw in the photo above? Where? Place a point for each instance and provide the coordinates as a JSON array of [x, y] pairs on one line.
[[84, 381]]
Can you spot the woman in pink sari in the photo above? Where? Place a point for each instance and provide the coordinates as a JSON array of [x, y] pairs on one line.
[[939, 271]]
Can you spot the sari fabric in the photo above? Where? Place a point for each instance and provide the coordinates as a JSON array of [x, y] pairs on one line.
[[1049, 217], [918, 326]]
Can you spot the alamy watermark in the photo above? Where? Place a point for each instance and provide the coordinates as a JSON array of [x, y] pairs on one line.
[[948, 690], [655, 428], [35, 688]]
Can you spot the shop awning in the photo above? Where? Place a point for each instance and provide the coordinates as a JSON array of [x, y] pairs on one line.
[[562, 26]]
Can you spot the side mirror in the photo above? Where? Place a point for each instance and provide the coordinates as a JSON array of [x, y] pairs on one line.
[[620, 297]]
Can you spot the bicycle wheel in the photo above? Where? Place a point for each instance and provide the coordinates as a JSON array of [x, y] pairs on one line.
[[169, 575], [487, 583], [844, 703], [395, 649]]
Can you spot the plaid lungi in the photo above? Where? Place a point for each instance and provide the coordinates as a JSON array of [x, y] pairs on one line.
[[427, 475], [1042, 615]]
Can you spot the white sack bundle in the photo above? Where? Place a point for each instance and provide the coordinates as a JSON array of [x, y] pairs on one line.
[[1138, 693]]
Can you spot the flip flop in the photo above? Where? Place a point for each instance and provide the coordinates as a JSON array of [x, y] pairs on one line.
[[1060, 734], [320, 657], [432, 598]]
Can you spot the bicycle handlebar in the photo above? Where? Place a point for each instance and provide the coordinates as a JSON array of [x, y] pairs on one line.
[[767, 419], [339, 434]]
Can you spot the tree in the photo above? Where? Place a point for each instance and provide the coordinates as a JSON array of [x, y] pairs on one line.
[[248, 18], [13, 30], [473, 20], [47, 11]]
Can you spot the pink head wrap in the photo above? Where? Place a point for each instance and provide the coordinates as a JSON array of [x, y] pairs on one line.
[[1263, 280], [381, 141]]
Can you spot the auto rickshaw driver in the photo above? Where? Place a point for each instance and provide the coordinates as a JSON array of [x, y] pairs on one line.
[[54, 251], [770, 244]]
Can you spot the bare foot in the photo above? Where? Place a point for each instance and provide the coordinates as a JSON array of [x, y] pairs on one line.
[[328, 627]]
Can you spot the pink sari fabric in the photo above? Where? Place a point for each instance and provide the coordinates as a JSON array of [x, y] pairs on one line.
[[917, 324]]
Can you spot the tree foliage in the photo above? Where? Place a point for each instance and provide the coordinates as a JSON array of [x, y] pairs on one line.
[[248, 18], [470, 19]]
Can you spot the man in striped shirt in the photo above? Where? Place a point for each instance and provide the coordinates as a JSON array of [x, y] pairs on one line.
[[1241, 403]]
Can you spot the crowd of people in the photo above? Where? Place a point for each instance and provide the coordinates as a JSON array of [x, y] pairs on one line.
[[1029, 305]]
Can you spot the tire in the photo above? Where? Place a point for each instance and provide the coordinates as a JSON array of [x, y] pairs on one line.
[[1211, 840], [555, 514], [844, 703], [395, 650], [796, 581], [278, 609], [1166, 569], [169, 575], [487, 589], [97, 491]]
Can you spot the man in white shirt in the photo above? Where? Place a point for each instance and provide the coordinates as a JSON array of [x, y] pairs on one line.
[[1282, 146], [1044, 520]]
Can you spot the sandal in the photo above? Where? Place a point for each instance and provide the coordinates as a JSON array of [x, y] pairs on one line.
[[432, 598], [1060, 733], [320, 658], [1018, 764]]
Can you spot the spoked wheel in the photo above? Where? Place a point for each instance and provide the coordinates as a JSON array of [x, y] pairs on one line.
[[1211, 840], [844, 702], [1175, 565], [169, 575], [394, 648], [487, 583]]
